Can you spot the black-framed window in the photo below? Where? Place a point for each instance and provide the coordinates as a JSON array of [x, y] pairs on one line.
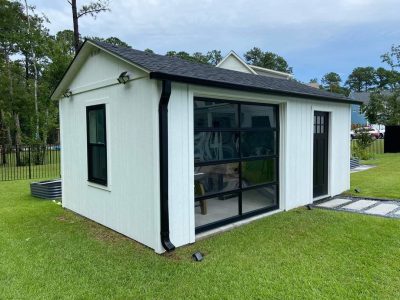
[[236, 160], [96, 143]]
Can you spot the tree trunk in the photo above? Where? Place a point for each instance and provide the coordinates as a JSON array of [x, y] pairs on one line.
[[34, 62], [17, 139], [76, 25], [5, 137]]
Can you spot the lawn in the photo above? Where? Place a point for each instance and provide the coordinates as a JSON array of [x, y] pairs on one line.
[[48, 252], [383, 181]]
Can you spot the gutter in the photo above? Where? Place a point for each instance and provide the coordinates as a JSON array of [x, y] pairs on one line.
[[212, 83], [163, 141]]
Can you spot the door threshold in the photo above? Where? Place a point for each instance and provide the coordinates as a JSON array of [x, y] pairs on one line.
[[321, 197], [230, 226]]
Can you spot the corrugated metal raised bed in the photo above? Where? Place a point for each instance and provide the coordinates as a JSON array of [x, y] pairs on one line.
[[354, 163], [50, 189]]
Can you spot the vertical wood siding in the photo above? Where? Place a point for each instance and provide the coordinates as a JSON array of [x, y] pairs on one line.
[[130, 203]]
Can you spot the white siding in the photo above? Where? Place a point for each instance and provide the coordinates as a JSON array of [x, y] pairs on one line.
[[296, 151], [130, 203], [181, 167]]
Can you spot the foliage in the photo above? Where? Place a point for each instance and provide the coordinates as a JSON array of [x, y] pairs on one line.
[[269, 60], [113, 41], [332, 83], [361, 79], [392, 58], [387, 79], [212, 57], [363, 142], [383, 108]]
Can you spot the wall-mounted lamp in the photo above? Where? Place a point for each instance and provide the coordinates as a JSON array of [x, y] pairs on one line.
[[124, 77], [67, 93]]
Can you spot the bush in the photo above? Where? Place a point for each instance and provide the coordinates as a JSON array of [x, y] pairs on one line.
[[363, 142]]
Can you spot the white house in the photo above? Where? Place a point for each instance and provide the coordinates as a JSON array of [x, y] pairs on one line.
[[160, 149]]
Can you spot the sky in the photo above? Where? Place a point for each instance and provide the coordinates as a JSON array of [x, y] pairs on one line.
[[314, 36]]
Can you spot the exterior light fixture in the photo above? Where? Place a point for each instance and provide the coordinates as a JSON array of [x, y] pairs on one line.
[[124, 77], [67, 93]]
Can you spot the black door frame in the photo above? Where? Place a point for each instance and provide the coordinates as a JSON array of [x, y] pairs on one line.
[[322, 137]]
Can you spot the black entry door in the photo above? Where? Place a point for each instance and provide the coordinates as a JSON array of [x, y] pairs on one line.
[[321, 137]]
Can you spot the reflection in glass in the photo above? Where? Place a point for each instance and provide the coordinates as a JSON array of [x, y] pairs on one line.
[[258, 143], [259, 198], [209, 146], [258, 116], [258, 172], [208, 114], [216, 178], [98, 162]]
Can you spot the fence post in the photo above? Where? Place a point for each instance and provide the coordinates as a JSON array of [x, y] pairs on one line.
[[29, 161]]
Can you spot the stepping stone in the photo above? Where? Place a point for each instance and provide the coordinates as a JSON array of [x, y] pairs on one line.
[[397, 213], [334, 203], [360, 204], [382, 209]]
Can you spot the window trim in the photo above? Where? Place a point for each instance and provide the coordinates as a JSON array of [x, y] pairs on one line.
[[89, 145]]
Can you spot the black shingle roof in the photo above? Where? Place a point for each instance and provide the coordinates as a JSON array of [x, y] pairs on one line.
[[176, 69]]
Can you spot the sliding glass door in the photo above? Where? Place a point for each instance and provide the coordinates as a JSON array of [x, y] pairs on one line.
[[235, 159]]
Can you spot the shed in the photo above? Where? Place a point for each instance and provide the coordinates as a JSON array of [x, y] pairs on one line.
[[161, 149]]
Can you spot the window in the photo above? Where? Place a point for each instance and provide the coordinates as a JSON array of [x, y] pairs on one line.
[[236, 159], [96, 144]]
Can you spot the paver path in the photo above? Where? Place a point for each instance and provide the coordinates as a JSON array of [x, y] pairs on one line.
[[375, 207]]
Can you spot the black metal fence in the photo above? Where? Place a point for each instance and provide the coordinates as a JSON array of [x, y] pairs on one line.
[[29, 162]]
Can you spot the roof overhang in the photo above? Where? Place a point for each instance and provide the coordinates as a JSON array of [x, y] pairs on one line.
[[211, 83]]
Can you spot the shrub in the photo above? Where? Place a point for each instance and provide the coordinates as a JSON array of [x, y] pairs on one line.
[[363, 142]]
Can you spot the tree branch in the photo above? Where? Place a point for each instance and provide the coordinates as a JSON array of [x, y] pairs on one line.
[[92, 12]]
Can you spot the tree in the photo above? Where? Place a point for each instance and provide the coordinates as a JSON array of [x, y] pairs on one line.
[[392, 58], [269, 60], [383, 109], [361, 79], [331, 81], [113, 41], [387, 79], [11, 16], [212, 57], [92, 9]]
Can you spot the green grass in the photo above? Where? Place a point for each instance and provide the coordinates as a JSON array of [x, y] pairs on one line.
[[383, 181], [48, 252]]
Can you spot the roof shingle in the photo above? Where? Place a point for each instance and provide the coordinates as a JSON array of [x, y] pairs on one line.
[[176, 69]]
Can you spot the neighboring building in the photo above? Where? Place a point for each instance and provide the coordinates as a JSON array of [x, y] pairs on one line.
[[233, 62], [358, 117], [160, 149]]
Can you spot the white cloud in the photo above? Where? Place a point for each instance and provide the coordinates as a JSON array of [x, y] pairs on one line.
[[325, 30]]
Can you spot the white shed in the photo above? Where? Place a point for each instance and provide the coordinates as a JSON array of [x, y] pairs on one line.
[[161, 149]]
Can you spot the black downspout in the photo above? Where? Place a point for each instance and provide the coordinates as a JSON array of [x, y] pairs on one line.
[[163, 140]]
